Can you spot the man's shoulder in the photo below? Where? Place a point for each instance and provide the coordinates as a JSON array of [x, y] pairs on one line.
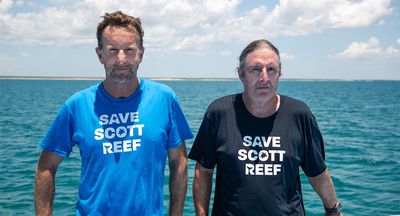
[[83, 94], [151, 85], [223, 103], [292, 101], [294, 105]]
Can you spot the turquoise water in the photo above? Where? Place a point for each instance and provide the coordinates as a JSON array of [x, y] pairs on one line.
[[360, 122]]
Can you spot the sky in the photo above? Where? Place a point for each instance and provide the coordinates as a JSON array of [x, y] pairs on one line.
[[329, 39]]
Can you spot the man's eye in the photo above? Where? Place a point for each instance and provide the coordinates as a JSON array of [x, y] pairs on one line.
[[130, 50], [256, 70], [272, 70]]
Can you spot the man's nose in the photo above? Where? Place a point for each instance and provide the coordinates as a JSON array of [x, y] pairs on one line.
[[264, 74], [121, 57]]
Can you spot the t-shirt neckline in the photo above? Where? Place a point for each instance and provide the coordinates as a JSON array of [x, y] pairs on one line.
[[121, 100], [247, 112]]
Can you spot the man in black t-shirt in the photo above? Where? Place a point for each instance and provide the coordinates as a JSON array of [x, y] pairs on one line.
[[258, 140]]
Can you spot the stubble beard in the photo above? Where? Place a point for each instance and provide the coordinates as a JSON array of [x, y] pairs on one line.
[[263, 96], [117, 78]]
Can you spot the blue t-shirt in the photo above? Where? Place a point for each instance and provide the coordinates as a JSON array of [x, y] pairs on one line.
[[123, 146]]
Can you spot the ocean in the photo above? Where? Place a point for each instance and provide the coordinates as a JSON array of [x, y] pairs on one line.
[[360, 122]]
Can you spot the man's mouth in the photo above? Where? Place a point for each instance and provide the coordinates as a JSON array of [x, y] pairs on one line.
[[121, 68]]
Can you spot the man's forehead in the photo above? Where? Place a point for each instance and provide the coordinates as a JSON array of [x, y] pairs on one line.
[[262, 56], [114, 42], [259, 64], [120, 45], [118, 36]]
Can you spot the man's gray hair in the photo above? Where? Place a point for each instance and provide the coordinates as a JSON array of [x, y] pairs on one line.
[[257, 44]]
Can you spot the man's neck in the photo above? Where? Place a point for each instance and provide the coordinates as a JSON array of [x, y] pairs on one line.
[[262, 108], [118, 90]]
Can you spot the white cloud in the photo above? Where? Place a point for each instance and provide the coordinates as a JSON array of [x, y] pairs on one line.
[[286, 56], [195, 42], [53, 26], [368, 50], [302, 17], [58, 1], [293, 18], [19, 3], [25, 54], [184, 25], [5, 5], [360, 13]]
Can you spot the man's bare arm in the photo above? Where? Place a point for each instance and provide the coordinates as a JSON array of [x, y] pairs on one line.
[[325, 189], [202, 185], [44, 182], [177, 179]]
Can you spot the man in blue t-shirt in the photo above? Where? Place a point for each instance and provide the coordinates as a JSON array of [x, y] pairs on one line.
[[125, 127]]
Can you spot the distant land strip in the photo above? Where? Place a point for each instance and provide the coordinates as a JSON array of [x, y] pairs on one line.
[[102, 78], [171, 78], [48, 78]]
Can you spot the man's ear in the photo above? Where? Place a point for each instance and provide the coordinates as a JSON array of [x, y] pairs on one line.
[[98, 52], [240, 73], [141, 55]]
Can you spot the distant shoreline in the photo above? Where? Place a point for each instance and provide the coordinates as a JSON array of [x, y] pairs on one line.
[[47, 78], [171, 78], [101, 78]]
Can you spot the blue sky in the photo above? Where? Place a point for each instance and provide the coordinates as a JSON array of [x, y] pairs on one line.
[[332, 39]]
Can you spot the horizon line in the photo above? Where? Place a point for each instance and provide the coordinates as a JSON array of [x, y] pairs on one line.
[[175, 78]]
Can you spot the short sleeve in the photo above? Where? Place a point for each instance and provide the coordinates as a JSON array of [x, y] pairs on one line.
[[58, 138], [179, 130], [203, 150], [313, 163]]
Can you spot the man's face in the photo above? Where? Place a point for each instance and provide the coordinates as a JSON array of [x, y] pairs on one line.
[[261, 74], [120, 54]]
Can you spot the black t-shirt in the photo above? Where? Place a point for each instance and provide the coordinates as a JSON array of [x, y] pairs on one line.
[[258, 159]]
